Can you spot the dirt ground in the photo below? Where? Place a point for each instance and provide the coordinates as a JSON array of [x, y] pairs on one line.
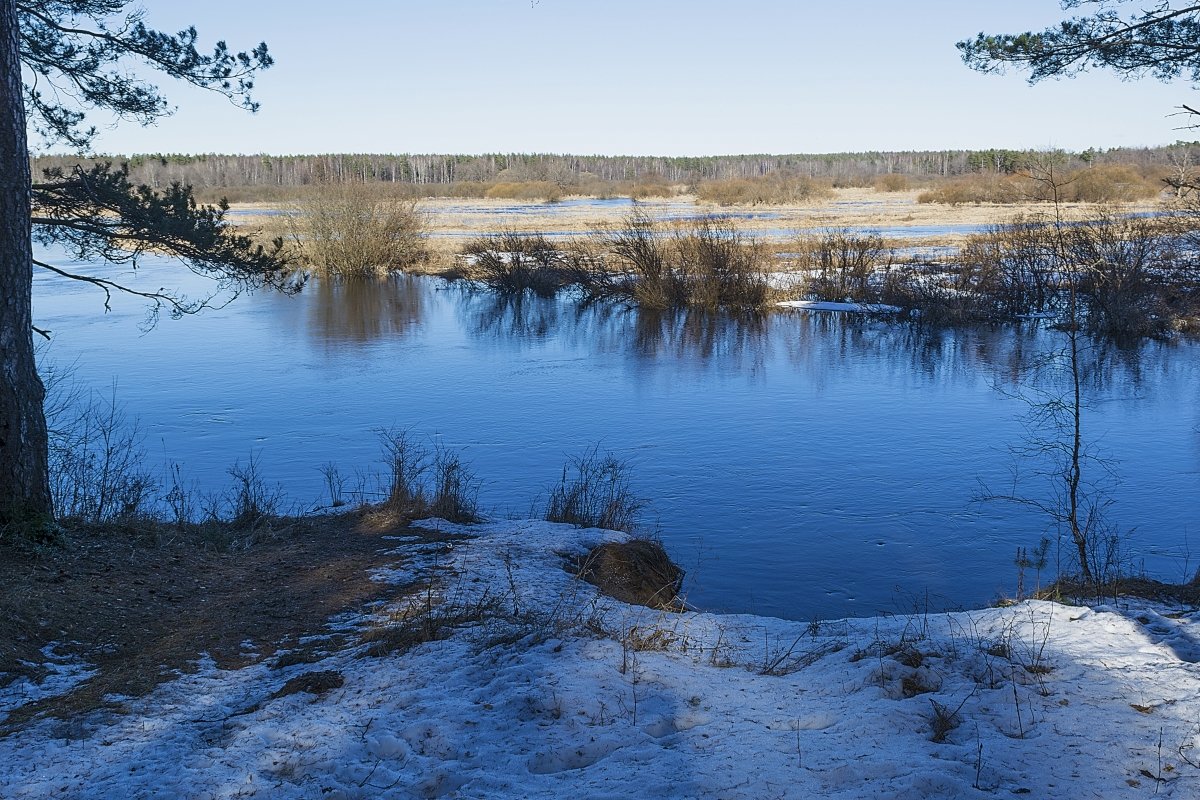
[[139, 610]]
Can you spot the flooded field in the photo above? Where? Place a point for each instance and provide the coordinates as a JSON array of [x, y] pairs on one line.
[[799, 465], [895, 215]]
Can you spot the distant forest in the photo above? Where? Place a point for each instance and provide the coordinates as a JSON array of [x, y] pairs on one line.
[[211, 171]]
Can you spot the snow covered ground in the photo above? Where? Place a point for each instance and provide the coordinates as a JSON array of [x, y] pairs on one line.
[[558, 692]]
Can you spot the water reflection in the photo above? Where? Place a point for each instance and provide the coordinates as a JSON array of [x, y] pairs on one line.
[[820, 345], [739, 343], [510, 316], [361, 311]]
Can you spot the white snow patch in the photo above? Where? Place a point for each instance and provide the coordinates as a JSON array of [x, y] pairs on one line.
[[63, 673], [566, 693], [847, 307]]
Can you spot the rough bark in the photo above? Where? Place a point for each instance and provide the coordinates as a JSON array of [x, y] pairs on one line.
[[24, 480]]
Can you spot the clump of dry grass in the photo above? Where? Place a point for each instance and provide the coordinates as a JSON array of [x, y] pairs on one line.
[[594, 492], [708, 264]]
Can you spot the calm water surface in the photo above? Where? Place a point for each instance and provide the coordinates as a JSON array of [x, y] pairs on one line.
[[805, 465]]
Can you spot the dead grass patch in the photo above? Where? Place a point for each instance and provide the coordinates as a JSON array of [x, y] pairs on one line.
[[430, 619], [317, 683], [638, 572], [142, 605]]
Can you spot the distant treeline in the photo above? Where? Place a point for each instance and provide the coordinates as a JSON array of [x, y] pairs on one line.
[[571, 171]]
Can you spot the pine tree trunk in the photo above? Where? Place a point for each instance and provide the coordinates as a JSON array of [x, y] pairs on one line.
[[24, 479]]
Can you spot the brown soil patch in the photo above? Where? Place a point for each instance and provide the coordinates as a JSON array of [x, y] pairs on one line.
[[1145, 588], [317, 683], [140, 610]]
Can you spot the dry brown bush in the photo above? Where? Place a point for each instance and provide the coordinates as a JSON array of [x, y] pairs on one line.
[[355, 231], [1110, 183], [844, 265], [978, 189], [769, 190], [526, 190], [648, 187], [892, 182]]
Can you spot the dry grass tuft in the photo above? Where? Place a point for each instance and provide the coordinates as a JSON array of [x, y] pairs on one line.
[[594, 492], [638, 572]]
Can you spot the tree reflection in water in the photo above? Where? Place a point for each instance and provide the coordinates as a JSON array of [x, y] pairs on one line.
[[365, 309]]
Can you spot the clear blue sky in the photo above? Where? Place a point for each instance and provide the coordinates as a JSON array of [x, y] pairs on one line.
[[637, 77]]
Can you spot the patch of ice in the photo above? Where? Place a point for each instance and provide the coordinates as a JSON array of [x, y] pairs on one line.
[[847, 307]]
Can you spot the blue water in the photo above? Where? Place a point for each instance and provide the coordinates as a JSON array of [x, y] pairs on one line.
[[805, 465]]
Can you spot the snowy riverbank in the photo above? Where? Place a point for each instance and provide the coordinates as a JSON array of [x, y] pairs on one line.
[[543, 688]]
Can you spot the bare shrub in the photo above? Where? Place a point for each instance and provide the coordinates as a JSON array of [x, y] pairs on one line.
[[892, 182], [515, 262], [594, 492], [406, 462], [180, 497], [774, 189], [454, 492], [843, 264], [708, 264], [978, 189], [251, 500], [640, 253], [1014, 265], [455, 488], [721, 267], [1129, 275], [1102, 183], [1109, 183], [355, 231], [335, 484], [96, 455], [1132, 280], [651, 186], [546, 191]]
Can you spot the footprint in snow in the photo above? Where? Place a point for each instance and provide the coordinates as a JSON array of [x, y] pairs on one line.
[[1171, 634]]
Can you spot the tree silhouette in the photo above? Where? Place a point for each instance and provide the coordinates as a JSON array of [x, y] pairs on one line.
[[61, 60]]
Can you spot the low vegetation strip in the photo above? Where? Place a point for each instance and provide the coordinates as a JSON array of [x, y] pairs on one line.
[[1121, 276]]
